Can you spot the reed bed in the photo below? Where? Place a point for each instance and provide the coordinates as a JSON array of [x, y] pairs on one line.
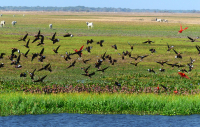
[[21, 104]]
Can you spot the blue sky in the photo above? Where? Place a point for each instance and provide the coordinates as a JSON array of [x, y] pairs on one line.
[[132, 4]]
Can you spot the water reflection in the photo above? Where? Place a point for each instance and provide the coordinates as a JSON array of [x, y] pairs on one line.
[[91, 120]]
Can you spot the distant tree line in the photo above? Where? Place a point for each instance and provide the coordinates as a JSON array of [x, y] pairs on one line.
[[90, 9]]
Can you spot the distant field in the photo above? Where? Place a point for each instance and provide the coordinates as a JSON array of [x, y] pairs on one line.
[[113, 28]]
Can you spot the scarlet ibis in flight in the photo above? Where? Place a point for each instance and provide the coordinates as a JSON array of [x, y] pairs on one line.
[[181, 30]]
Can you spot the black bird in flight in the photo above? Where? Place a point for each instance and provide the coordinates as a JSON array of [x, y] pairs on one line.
[[169, 47], [148, 41], [40, 79], [72, 65], [24, 38], [54, 39], [100, 43], [178, 55], [68, 35], [32, 74], [1, 56], [118, 84], [89, 75], [89, 41], [45, 67], [103, 69], [25, 55], [56, 50], [27, 43], [191, 39]]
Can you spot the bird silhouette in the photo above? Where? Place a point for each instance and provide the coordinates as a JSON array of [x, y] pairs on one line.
[[100, 43], [86, 69], [131, 46], [164, 87], [1, 56], [34, 55], [1, 65], [27, 44], [151, 70], [40, 79], [25, 55], [68, 35], [135, 63], [45, 67], [23, 74], [89, 41], [41, 40], [88, 49], [191, 39], [114, 46], [54, 39], [103, 69], [178, 55], [85, 61], [198, 49], [181, 30], [162, 70], [72, 65], [169, 47], [161, 62], [32, 74], [89, 75], [117, 84], [24, 38], [152, 50], [79, 52], [56, 50], [148, 41]]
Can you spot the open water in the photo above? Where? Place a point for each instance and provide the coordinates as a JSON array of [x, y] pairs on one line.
[[93, 120]]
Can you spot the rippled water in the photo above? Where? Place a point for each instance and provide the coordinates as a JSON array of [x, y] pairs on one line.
[[91, 120]]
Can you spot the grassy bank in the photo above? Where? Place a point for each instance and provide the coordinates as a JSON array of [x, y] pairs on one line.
[[20, 104]]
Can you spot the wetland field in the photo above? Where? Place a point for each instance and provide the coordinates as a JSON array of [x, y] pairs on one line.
[[73, 92]]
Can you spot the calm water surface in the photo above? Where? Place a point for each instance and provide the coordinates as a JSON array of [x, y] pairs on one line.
[[91, 120]]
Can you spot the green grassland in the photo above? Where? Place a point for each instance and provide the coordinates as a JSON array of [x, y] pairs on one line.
[[21, 104], [112, 32]]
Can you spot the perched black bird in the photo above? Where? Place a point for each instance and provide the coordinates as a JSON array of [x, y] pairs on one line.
[[40, 79], [24, 38], [118, 84], [72, 65]]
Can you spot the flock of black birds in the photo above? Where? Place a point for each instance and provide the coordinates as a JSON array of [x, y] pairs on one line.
[[39, 37]]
